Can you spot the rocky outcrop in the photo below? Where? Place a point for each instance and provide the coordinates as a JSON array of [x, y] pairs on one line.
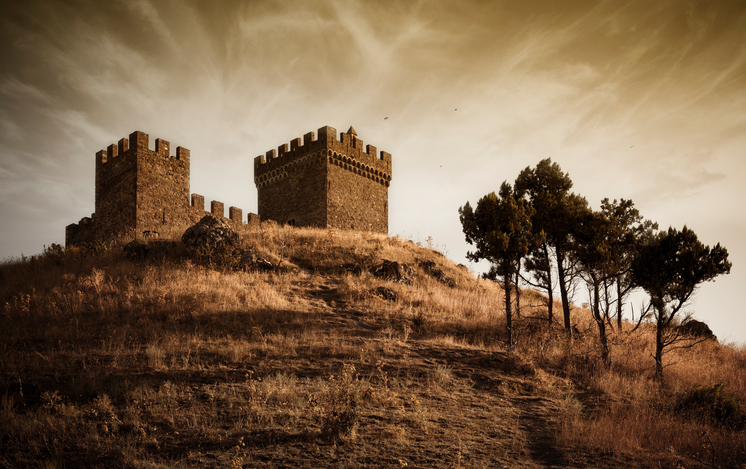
[[696, 329], [210, 233], [394, 271], [432, 269]]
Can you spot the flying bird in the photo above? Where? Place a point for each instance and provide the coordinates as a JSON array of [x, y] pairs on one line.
[[385, 118]]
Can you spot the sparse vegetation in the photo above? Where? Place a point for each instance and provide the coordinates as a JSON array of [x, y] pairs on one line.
[[613, 251], [157, 361]]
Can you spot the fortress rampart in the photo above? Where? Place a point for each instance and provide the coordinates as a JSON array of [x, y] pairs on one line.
[[143, 192], [324, 182]]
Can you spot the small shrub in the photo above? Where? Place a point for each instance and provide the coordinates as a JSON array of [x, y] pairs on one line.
[[51, 401], [55, 253], [102, 411], [713, 403], [419, 321], [339, 405], [442, 375], [571, 410], [156, 356]]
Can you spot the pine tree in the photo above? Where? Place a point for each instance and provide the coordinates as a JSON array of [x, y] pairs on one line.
[[556, 213], [592, 248], [500, 229], [628, 230], [670, 267]]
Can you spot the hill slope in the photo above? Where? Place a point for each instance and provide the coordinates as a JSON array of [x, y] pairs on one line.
[[334, 358]]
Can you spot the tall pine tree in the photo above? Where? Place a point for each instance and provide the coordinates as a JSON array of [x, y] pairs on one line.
[[500, 229], [556, 213]]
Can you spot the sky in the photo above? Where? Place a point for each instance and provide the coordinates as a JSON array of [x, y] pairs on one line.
[[642, 100]]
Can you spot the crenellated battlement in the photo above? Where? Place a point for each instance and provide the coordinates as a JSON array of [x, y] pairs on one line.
[[217, 209], [139, 142], [347, 148]]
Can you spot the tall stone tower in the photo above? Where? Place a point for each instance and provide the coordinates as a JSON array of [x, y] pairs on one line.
[[325, 182], [137, 191]]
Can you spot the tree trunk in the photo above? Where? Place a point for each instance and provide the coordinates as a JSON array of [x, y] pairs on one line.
[[517, 295], [601, 322], [659, 326], [619, 304], [563, 289], [607, 305], [508, 312], [550, 293]]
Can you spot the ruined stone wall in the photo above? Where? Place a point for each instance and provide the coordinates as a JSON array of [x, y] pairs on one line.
[[80, 233], [196, 210]]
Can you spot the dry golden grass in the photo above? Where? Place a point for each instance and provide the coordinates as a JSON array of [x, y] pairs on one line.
[[166, 363]]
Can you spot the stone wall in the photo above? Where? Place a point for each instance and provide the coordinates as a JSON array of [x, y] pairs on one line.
[[358, 185], [162, 188], [116, 189], [355, 202], [296, 192], [144, 193]]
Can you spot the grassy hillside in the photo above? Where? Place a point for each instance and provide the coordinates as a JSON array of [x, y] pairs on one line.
[[161, 361]]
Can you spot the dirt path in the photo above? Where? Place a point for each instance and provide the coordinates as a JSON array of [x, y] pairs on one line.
[[451, 405]]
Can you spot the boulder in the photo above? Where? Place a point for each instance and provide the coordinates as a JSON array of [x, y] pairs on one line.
[[392, 270], [696, 329], [210, 233], [385, 294], [437, 273]]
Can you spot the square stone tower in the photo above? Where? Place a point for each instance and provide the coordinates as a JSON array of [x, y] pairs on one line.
[[325, 182], [138, 191]]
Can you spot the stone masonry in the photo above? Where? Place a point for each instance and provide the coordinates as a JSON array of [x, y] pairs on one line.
[[324, 182], [141, 192]]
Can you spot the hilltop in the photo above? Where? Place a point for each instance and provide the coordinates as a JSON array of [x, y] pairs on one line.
[[332, 348]]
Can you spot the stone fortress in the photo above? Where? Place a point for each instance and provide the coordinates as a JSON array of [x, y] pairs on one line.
[[326, 182]]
